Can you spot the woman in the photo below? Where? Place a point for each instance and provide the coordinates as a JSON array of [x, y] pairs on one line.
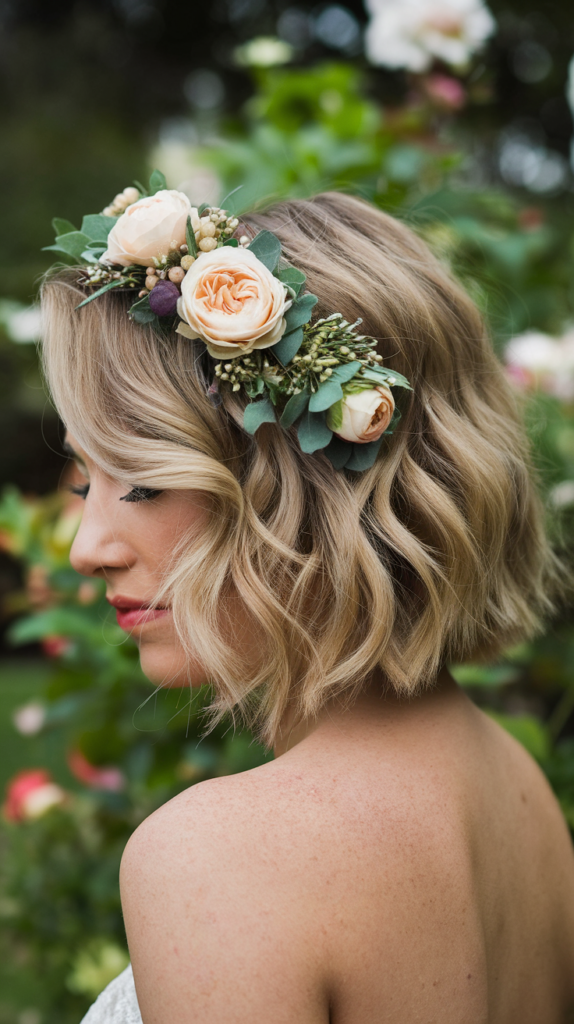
[[402, 859]]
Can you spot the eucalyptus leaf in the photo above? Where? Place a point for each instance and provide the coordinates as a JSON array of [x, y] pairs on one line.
[[292, 278], [142, 312], [97, 226], [257, 413], [294, 408], [364, 455], [327, 395], [93, 255], [267, 247], [62, 227], [190, 238], [313, 432], [157, 182], [300, 312], [105, 288], [288, 346], [343, 373], [73, 243], [382, 376], [394, 421], [256, 387], [338, 452]]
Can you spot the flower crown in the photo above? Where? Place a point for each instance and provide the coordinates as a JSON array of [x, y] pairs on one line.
[[189, 271]]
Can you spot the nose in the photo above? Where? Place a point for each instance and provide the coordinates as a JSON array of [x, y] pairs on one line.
[[101, 544]]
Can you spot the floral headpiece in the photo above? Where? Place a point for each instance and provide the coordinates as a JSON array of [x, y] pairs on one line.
[[189, 271]]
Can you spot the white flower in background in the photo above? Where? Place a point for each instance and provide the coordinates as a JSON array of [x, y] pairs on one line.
[[562, 494], [412, 34], [264, 52], [21, 323], [536, 360], [29, 718]]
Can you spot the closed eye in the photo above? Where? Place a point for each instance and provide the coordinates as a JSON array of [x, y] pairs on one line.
[[141, 494], [136, 493]]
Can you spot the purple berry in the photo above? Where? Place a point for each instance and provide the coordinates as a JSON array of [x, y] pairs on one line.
[[163, 298]]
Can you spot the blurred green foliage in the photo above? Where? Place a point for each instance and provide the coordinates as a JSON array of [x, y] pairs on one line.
[[303, 130]]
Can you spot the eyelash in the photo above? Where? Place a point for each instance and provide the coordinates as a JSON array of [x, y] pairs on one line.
[[136, 494]]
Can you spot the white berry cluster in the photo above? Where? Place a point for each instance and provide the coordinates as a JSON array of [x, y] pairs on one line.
[[121, 202]]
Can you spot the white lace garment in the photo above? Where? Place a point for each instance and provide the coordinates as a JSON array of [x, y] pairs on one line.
[[117, 1004]]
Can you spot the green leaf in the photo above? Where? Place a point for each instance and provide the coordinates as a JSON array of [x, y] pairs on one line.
[[92, 255], [294, 408], [231, 241], [62, 227], [330, 392], [201, 208], [293, 278], [327, 395], [257, 413], [335, 416], [100, 291], [364, 455], [288, 346], [338, 452], [313, 432], [267, 247], [157, 182], [343, 373], [73, 243], [382, 375], [254, 388], [300, 312], [190, 238], [142, 312], [141, 189], [97, 226]]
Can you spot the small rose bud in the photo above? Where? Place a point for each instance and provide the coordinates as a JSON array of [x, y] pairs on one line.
[[163, 298], [228, 367], [183, 248], [233, 223], [236, 387], [244, 240], [142, 293], [187, 261], [207, 244], [119, 201], [151, 281], [207, 229], [130, 195], [150, 271], [225, 376], [176, 274]]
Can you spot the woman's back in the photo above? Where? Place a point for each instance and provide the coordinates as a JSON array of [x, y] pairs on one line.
[[404, 862]]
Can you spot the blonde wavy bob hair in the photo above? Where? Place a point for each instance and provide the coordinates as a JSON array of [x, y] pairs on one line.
[[436, 554]]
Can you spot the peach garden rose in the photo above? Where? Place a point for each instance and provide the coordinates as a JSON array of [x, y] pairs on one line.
[[232, 302], [149, 227], [366, 415]]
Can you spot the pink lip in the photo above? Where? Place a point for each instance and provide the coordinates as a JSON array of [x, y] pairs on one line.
[[131, 613]]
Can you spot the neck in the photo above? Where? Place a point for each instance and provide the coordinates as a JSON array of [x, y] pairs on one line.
[[375, 704]]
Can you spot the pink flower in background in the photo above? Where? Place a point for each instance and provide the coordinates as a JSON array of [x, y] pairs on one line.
[[30, 794], [537, 361], [92, 775], [445, 92], [55, 646]]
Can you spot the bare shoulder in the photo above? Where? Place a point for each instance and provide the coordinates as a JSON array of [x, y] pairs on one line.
[[212, 922]]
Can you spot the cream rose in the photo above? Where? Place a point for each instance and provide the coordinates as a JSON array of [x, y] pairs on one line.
[[232, 302], [366, 415], [148, 228]]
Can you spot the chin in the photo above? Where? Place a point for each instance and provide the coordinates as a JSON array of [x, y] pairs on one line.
[[167, 665]]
